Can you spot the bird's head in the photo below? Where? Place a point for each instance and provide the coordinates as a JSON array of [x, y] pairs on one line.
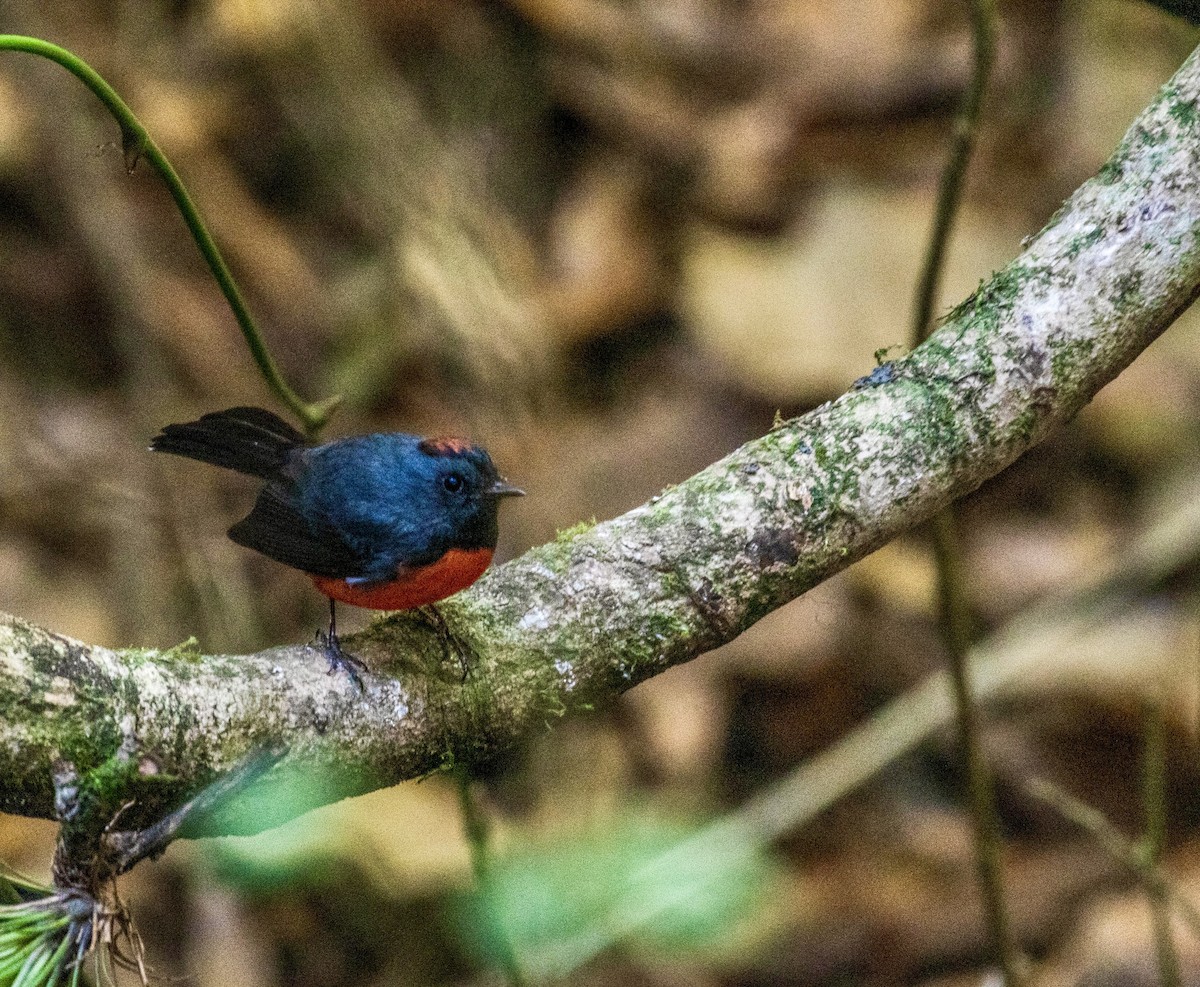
[[467, 486]]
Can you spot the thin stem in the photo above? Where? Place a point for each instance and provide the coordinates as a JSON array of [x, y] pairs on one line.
[[956, 633], [966, 125], [1154, 782], [1127, 853], [1195, 724], [138, 144], [956, 618], [123, 849], [1154, 798], [475, 828]]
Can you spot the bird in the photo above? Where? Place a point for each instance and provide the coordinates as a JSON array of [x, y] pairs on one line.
[[387, 521]]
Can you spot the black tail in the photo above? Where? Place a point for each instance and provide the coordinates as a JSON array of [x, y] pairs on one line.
[[248, 440]]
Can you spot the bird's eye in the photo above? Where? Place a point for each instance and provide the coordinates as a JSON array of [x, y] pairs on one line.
[[453, 483]]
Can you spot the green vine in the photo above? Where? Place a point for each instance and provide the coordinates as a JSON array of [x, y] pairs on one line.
[[475, 828], [1154, 841], [139, 145], [955, 609]]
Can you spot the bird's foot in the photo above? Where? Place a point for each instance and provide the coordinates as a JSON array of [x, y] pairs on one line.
[[340, 660], [453, 647]]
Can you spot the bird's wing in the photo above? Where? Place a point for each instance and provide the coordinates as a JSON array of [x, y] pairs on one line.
[[282, 533]]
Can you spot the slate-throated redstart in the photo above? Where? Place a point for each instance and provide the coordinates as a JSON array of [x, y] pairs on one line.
[[387, 521]]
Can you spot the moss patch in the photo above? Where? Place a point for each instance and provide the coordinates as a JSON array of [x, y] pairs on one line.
[[574, 531]]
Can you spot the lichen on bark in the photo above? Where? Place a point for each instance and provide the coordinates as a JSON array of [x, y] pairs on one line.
[[573, 623]]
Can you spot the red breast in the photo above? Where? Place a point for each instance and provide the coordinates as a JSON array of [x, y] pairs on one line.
[[455, 570]]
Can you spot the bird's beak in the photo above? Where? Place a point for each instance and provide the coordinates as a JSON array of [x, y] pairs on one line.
[[502, 488]]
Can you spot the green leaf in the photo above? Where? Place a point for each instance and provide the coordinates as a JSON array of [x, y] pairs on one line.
[[642, 882]]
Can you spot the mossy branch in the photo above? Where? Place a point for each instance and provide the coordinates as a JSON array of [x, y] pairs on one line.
[[572, 624], [138, 145]]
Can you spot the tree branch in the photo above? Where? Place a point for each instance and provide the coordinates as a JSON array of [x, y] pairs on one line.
[[574, 623]]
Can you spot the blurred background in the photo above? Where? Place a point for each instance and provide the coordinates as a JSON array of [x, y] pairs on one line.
[[610, 240]]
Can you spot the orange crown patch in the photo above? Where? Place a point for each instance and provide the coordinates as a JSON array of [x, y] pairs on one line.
[[445, 445]]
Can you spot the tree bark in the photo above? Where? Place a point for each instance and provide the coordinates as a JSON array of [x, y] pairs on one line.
[[572, 624]]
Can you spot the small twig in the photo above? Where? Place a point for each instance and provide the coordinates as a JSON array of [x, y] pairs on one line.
[[475, 827], [138, 144], [956, 634], [1129, 854], [956, 618], [966, 126], [1154, 798], [126, 848]]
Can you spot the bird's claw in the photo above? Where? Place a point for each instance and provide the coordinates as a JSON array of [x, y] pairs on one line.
[[339, 659], [453, 647]]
